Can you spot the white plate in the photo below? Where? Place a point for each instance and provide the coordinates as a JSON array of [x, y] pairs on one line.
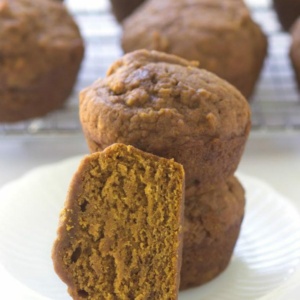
[[266, 256]]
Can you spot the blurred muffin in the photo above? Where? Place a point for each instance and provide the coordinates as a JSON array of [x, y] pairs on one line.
[[211, 228], [295, 50], [123, 9], [41, 50], [167, 106], [220, 34], [287, 11]]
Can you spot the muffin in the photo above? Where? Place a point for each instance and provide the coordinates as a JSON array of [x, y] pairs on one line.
[[220, 34], [122, 9], [165, 105], [295, 50], [120, 235], [41, 50], [211, 228], [287, 11]]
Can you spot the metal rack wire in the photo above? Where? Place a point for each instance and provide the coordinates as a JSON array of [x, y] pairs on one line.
[[275, 105]]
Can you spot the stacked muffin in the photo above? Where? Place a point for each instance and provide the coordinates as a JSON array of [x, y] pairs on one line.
[[167, 106]]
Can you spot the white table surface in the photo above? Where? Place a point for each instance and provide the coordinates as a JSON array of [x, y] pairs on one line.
[[274, 158]]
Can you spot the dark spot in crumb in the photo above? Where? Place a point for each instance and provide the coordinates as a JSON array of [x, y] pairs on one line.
[[76, 254], [83, 294], [84, 205], [153, 79]]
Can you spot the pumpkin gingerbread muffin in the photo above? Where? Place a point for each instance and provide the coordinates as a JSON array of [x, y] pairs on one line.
[[40, 53], [120, 235], [167, 106], [220, 34]]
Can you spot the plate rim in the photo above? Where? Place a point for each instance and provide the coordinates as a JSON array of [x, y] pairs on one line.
[[8, 187]]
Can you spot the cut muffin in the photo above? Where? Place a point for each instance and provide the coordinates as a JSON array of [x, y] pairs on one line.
[[41, 50], [120, 235], [165, 105], [220, 34]]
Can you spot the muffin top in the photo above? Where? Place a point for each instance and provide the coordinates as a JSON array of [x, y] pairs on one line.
[[217, 33], [35, 36], [229, 11], [39, 23], [156, 95], [182, 21]]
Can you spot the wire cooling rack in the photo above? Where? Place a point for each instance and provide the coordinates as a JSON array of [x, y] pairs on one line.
[[275, 104]]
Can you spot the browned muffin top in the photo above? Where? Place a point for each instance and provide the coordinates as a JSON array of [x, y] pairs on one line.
[[220, 34], [35, 35], [212, 16], [233, 12], [41, 22], [149, 89]]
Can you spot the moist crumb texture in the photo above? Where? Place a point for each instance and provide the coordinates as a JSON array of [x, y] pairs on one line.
[[165, 105], [220, 34], [40, 54], [121, 228]]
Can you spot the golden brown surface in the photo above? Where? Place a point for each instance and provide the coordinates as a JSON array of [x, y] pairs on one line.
[[211, 228], [167, 106], [220, 34], [121, 228], [123, 9], [41, 50], [287, 11]]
